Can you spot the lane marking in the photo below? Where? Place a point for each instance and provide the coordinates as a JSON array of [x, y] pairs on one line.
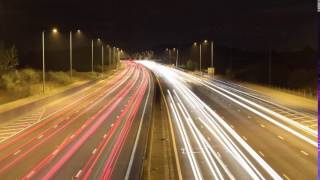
[[261, 153], [94, 151], [172, 134], [285, 176], [305, 153], [17, 152], [127, 176], [280, 137], [244, 138], [78, 174], [39, 137]]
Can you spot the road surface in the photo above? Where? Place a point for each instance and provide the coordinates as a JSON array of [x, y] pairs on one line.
[[98, 133], [226, 132]]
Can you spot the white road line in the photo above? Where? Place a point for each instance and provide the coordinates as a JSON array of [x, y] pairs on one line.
[[17, 152], [94, 151], [261, 153], [138, 136], [280, 137], [285, 176], [78, 174], [243, 137], [305, 153]]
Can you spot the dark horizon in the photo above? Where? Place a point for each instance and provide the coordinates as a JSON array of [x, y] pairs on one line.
[[138, 26]]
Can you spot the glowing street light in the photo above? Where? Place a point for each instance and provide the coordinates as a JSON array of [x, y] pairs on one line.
[[55, 30]]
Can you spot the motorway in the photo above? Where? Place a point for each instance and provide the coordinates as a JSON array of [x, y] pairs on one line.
[[223, 131], [97, 133]]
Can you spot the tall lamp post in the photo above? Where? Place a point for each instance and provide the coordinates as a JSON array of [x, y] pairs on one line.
[[70, 44], [43, 65], [92, 55], [177, 58], [109, 53], [200, 57], [212, 54], [54, 30], [102, 58]]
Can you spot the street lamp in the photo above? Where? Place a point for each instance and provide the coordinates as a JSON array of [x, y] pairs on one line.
[[212, 54], [70, 42], [54, 30], [102, 57], [200, 57], [177, 58], [92, 55]]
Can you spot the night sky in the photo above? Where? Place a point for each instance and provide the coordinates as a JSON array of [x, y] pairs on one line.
[[151, 24]]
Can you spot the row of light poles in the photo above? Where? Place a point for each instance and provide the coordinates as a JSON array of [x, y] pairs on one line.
[[177, 54], [55, 31], [200, 53]]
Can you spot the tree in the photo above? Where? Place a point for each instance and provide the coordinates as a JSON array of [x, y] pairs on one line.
[[8, 59]]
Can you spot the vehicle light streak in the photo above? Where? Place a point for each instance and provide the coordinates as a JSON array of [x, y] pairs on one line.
[[93, 159], [110, 163], [46, 120], [38, 143], [277, 123], [214, 124], [185, 139], [101, 115], [224, 93]]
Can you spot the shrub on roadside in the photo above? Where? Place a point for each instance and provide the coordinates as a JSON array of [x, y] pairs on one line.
[[59, 77], [14, 82]]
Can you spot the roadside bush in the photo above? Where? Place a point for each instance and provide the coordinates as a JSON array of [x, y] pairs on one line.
[[30, 76], [59, 77], [13, 82]]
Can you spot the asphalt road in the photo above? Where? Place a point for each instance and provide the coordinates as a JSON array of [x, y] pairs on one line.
[[98, 133], [226, 132]]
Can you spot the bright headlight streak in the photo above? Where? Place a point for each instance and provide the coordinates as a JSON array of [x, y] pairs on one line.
[[224, 139], [166, 73], [284, 118], [268, 118], [184, 136], [202, 148], [232, 132], [229, 142], [295, 133], [197, 135], [241, 141]]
